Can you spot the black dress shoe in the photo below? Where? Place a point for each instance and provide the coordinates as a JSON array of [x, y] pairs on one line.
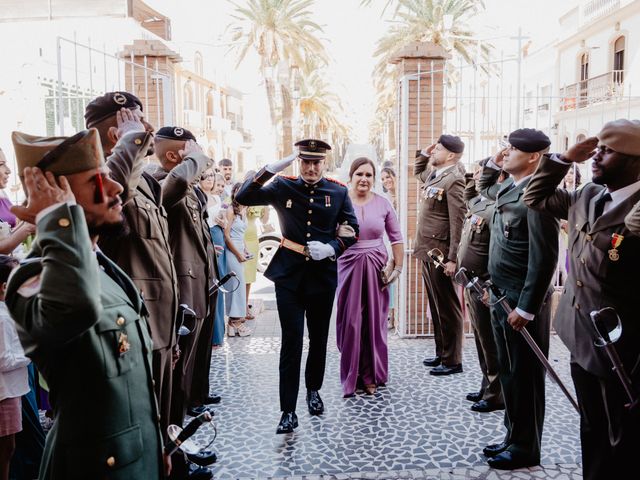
[[200, 473], [510, 461], [432, 361], [495, 449], [203, 458], [195, 411], [212, 399], [445, 370], [288, 422], [484, 406], [314, 402], [474, 396]]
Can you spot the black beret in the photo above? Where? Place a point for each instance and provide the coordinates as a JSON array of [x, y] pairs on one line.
[[108, 104], [529, 140], [311, 149], [175, 133], [451, 143]]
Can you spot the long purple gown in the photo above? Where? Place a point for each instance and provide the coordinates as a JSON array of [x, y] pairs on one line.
[[363, 306]]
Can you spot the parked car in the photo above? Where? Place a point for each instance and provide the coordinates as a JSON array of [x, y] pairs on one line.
[[269, 240]]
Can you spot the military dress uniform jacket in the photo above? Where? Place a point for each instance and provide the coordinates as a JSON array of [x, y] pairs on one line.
[[632, 220], [306, 213], [473, 252], [85, 330], [523, 251], [441, 213], [190, 238], [598, 277], [144, 253]]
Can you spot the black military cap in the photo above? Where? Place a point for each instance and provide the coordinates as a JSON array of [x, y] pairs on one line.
[[108, 104], [175, 133], [451, 143], [529, 140], [311, 149]]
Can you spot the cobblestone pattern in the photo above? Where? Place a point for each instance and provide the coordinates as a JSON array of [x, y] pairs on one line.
[[419, 426]]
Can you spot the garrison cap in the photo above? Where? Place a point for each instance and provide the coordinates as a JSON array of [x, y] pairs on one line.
[[175, 133], [529, 140], [451, 143], [311, 149], [622, 136], [107, 105], [59, 155]]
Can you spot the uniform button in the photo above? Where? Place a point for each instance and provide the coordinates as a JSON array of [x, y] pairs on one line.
[[311, 192], [306, 185], [148, 205], [579, 283], [308, 223], [153, 382], [137, 141], [577, 306], [111, 461], [158, 417], [195, 216], [309, 211], [308, 235], [64, 222], [306, 258], [582, 261], [588, 237], [311, 200], [577, 226], [189, 272], [120, 321]]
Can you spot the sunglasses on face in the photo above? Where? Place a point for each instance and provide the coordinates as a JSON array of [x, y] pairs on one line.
[[207, 176]]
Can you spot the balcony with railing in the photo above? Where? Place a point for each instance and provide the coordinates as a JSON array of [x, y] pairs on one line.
[[596, 9], [607, 87]]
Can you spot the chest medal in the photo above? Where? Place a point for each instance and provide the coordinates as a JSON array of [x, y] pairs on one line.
[[616, 241]]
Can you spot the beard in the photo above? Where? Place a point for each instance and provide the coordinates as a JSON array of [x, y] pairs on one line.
[[110, 230]]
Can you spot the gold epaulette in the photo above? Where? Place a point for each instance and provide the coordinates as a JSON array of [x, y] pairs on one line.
[[289, 177], [336, 181]]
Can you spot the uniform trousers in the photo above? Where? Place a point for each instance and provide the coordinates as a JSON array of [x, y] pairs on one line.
[[202, 363], [446, 314], [609, 433], [522, 377], [292, 307], [162, 376], [480, 317]]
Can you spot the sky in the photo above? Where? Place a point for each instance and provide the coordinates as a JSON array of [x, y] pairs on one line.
[[350, 32]]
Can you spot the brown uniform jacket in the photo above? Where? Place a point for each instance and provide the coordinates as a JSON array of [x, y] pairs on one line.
[[144, 253], [473, 252], [598, 277], [189, 234], [441, 212]]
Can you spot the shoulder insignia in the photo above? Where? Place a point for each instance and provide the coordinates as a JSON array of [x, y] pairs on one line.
[[288, 177], [336, 181], [30, 287]]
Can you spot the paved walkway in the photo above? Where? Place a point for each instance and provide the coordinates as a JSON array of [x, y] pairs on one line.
[[419, 426]]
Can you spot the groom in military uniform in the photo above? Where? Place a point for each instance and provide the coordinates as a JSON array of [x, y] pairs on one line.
[[310, 208]]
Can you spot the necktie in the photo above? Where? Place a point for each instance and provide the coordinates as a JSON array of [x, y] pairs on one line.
[[599, 206], [432, 176], [506, 189]]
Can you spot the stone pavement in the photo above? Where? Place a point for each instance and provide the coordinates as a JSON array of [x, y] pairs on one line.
[[419, 426]]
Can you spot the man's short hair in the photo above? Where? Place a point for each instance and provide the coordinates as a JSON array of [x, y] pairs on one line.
[[225, 162]]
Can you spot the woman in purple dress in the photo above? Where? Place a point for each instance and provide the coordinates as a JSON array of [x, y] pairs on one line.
[[363, 299]]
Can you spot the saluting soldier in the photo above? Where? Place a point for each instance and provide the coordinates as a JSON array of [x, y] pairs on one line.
[[80, 317], [182, 163], [473, 255], [143, 252], [523, 254], [310, 208], [439, 226], [603, 272]]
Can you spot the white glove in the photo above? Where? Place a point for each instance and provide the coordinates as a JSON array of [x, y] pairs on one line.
[[393, 276], [280, 165], [319, 250]]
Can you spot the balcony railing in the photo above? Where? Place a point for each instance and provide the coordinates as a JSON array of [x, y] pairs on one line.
[[598, 8], [603, 88]]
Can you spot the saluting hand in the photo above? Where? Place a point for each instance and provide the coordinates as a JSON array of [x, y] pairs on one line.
[[280, 165], [581, 151], [42, 190], [128, 121], [190, 147], [428, 151], [498, 158]]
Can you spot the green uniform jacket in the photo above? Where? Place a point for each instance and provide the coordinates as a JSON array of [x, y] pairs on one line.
[[89, 338], [441, 211], [597, 278], [523, 252]]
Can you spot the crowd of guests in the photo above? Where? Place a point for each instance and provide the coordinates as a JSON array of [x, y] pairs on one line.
[[119, 297]]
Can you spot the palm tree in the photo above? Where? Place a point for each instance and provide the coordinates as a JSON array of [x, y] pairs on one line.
[[283, 35]]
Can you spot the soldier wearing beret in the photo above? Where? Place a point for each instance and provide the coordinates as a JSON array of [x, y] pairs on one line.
[[439, 226], [182, 163], [80, 317], [604, 260], [310, 208], [143, 252], [523, 254], [473, 255]]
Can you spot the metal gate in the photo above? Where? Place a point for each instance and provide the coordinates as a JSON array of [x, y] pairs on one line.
[[85, 72], [482, 104]]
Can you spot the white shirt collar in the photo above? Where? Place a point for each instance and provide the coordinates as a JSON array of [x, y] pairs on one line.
[[620, 195], [515, 184]]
